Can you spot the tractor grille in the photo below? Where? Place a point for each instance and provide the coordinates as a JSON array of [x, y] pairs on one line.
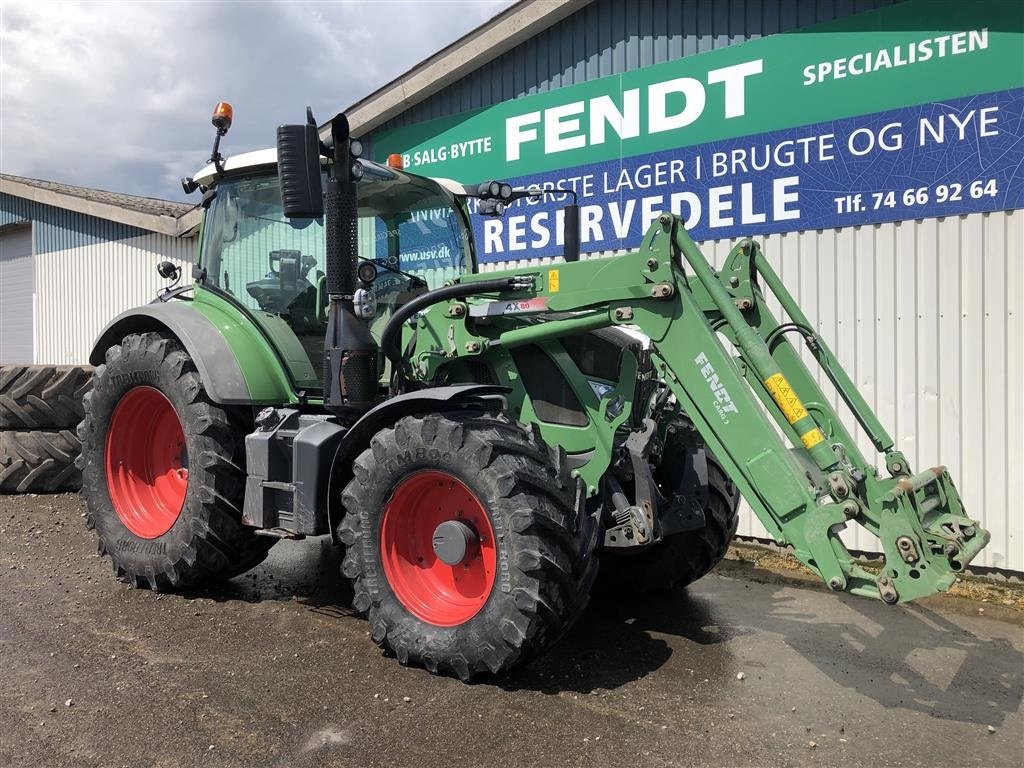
[[481, 372], [552, 397], [597, 354]]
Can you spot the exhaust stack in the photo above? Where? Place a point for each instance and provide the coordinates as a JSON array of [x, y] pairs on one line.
[[351, 369]]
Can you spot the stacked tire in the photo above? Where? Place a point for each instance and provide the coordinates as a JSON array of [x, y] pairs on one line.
[[40, 408]]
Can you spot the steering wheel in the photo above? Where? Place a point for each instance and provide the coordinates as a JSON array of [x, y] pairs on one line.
[[268, 295]]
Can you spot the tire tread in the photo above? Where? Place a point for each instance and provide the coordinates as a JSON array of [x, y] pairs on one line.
[[36, 397], [219, 546], [553, 555], [39, 461]]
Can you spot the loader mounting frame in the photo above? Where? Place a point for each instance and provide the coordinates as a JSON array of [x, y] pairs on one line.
[[757, 406]]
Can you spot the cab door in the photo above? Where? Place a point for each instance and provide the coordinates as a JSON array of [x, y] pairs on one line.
[[271, 267]]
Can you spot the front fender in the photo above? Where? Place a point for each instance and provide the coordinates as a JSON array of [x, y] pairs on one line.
[[387, 413]]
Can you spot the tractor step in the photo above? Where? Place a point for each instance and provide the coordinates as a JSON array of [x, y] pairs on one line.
[[280, 533]]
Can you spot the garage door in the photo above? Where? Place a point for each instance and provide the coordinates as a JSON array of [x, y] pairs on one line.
[[16, 295]]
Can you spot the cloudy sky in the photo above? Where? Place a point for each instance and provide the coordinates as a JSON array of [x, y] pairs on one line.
[[118, 96]]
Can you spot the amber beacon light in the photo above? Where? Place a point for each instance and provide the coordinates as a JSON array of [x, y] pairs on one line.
[[222, 115]]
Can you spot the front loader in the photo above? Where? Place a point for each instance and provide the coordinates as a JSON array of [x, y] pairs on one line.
[[480, 444]]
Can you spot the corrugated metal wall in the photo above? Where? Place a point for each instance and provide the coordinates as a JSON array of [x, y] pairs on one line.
[[79, 290], [88, 270], [924, 317], [609, 37]]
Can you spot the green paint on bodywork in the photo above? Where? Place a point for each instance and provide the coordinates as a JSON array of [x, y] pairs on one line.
[[755, 404], [266, 378], [596, 439]]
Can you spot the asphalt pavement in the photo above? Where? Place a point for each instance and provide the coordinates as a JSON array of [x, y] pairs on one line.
[[274, 669]]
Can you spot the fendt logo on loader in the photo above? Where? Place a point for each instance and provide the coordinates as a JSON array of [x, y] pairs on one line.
[[724, 403]]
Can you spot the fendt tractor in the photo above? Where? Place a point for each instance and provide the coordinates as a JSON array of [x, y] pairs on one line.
[[479, 443]]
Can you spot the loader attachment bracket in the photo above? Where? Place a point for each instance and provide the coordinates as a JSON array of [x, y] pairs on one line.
[[926, 536], [764, 414]]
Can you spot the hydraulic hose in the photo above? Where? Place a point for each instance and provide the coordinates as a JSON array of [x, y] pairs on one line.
[[391, 336]]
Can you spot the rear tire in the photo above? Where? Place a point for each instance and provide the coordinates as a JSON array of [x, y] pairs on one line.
[[163, 470], [39, 462], [501, 478], [681, 558]]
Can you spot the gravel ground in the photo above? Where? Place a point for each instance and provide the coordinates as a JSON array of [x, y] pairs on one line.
[[272, 669]]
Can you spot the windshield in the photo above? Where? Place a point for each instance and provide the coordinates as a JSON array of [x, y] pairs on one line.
[[274, 264]]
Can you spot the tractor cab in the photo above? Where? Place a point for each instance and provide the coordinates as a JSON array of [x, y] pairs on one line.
[[413, 230]]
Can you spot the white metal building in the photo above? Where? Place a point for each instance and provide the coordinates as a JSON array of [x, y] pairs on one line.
[[71, 258], [921, 308]]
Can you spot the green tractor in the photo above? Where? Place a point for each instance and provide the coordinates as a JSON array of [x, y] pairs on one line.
[[477, 442]]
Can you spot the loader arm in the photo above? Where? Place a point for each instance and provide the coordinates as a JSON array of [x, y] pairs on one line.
[[757, 405]]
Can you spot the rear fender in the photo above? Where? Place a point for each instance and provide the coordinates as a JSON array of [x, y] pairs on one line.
[[223, 376]]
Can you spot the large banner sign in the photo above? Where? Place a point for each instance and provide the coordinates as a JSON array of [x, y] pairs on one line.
[[908, 112]]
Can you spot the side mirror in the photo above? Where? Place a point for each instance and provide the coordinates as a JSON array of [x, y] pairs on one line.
[[298, 169], [571, 232], [168, 270]]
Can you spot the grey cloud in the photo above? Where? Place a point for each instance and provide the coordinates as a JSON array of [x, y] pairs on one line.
[[118, 96]]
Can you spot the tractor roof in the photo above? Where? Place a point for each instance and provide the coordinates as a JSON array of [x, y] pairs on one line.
[[267, 158], [246, 160]]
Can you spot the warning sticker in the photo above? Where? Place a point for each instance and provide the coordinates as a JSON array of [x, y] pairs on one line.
[[811, 438], [553, 281], [784, 396]]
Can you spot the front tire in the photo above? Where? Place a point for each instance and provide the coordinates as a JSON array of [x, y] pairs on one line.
[[524, 561], [162, 470], [681, 558]]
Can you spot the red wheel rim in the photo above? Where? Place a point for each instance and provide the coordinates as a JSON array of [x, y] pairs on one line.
[[433, 591], [146, 462]]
